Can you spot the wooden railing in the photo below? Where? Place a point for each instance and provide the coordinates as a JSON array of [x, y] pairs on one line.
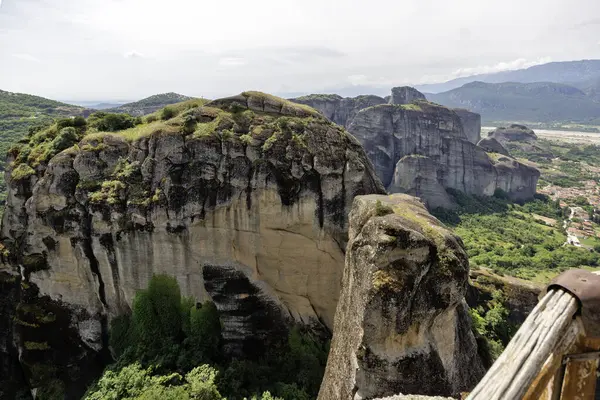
[[555, 353]]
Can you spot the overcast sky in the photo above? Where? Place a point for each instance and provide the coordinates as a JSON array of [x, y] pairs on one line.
[[128, 49]]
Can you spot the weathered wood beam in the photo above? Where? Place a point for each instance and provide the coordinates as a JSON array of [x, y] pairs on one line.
[[531, 367]]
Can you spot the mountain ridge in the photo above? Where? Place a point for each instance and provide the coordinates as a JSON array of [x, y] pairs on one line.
[[149, 104], [567, 72], [546, 102]]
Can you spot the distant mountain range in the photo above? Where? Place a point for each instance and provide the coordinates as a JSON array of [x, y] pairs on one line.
[[545, 102], [149, 104], [574, 73]]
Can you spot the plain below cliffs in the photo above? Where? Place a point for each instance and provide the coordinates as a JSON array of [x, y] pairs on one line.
[[402, 324], [422, 149], [243, 200]]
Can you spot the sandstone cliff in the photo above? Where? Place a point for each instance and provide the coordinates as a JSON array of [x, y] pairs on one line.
[[244, 201], [401, 325], [405, 95], [513, 133], [491, 145], [338, 109], [421, 149], [471, 123]]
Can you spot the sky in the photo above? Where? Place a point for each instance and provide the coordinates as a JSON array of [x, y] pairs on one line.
[[117, 50]]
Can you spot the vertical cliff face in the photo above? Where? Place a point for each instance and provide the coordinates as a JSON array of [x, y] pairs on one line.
[[401, 325], [338, 109], [244, 201], [471, 123], [405, 95], [421, 149]]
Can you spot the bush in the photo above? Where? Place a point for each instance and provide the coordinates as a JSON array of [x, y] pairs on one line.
[[167, 113], [157, 317], [203, 341], [500, 194], [106, 122], [66, 138], [133, 382], [79, 122], [189, 124]]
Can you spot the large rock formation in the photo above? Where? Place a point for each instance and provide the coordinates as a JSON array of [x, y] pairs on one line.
[[421, 149], [405, 95], [492, 145], [244, 201], [338, 109], [520, 296], [513, 133], [401, 325], [471, 123]]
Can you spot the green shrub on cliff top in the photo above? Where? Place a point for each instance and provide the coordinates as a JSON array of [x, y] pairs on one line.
[[107, 122], [22, 171]]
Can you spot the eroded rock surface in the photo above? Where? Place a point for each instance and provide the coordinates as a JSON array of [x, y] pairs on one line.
[[339, 109], [422, 148], [492, 145], [471, 123], [401, 325], [405, 95], [513, 133], [244, 201]]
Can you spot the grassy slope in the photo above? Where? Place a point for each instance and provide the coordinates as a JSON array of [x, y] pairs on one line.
[[524, 102], [19, 112], [149, 104]]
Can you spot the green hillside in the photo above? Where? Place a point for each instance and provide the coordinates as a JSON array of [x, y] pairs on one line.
[[19, 112], [524, 102], [149, 104]]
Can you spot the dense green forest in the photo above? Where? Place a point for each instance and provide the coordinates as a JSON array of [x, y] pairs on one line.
[[509, 239], [170, 347]]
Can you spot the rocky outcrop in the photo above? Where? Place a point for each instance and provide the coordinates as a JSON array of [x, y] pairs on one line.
[[471, 123], [421, 149], [244, 201], [405, 95], [338, 109], [401, 325], [491, 145], [513, 133], [520, 296]]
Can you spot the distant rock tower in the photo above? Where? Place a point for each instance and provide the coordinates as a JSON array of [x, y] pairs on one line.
[[405, 95]]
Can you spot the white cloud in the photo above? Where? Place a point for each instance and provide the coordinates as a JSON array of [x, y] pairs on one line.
[[220, 48], [232, 61], [26, 57], [133, 54], [499, 67], [357, 79]]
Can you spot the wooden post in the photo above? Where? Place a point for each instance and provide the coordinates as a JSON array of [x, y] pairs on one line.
[[531, 366]]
